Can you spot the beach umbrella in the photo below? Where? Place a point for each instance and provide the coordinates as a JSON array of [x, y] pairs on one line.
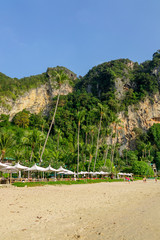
[[9, 169], [19, 167], [50, 169], [83, 172], [95, 173], [69, 172], [36, 168], [2, 165], [104, 173], [61, 169]]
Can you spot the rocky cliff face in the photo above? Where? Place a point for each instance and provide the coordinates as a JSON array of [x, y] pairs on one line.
[[143, 116], [35, 101]]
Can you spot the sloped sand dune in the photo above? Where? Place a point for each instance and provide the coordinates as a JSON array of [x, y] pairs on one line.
[[92, 212]]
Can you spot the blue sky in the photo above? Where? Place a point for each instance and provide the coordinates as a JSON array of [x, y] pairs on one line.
[[77, 34]]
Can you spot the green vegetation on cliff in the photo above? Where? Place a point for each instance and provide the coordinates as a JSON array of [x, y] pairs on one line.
[[86, 124]]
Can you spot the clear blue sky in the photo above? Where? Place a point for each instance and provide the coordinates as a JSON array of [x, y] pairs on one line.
[[77, 34]]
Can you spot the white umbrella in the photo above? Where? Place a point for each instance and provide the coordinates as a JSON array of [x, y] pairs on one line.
[[9, 169], [61, 169], [69, 172], [2, 165], [19, 167], [50, 169], [36, 168], [95, 173], [103, 173], [82, 172]]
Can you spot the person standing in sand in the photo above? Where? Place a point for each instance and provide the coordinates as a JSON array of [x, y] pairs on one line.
[[144, 179]]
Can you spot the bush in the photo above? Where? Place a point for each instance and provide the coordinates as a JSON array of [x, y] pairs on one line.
[[142, 168]]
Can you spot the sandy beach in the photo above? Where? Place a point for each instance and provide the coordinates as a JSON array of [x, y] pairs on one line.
[[93, 211]]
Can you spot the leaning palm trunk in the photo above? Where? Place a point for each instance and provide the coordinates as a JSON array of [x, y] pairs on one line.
[[114, 146], [50, 126], [106, 155], [31, 154], [90, 160], [78, 148], [97, 143]]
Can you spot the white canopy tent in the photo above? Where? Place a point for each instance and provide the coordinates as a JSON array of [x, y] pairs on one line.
[[125, 174], [9, 169], [19, 167], [50, 169], [35, 168], [3, 165], [61, 169]]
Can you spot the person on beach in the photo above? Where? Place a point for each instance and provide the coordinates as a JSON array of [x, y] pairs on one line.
[[144, 179], [155, 179]]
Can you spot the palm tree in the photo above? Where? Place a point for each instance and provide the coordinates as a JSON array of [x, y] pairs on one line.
[[60, 78], [116, 123], [6, 141], [80, 116], [102, 113], [92, 130], [59, 135], [34, 139]]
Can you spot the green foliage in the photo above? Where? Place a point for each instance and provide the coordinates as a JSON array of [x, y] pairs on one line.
[[86, 181], [13, 87], [154, 135], [92, 94], [21, 119], [4, 120], [142, 168]]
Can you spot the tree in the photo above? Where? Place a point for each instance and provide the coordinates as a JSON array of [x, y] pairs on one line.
[[102, 110], [6, 141], [80, 116], [4, 120], [22, 119], [60, 78], [142, 168], [34, 139]]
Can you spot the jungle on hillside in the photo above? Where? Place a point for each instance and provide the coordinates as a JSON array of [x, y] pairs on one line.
[[81, 130]]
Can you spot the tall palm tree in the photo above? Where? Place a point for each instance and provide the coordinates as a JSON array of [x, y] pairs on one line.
[[34, 139], [6, 141], [102, 110], [59, 134], [60, 78], [116, 125], [80, 116]]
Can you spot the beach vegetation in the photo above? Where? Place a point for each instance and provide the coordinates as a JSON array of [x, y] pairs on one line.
[[81, 131]]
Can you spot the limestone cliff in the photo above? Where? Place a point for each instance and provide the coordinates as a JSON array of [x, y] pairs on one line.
[[37, 99], [143, 116]]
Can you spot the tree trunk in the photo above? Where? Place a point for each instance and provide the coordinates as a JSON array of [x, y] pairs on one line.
[[97, 143], [78, 148], [50, 126], [106, 154], [31, 154], [90, 160]]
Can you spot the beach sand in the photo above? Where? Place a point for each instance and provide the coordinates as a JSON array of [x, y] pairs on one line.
[[122, 210]]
